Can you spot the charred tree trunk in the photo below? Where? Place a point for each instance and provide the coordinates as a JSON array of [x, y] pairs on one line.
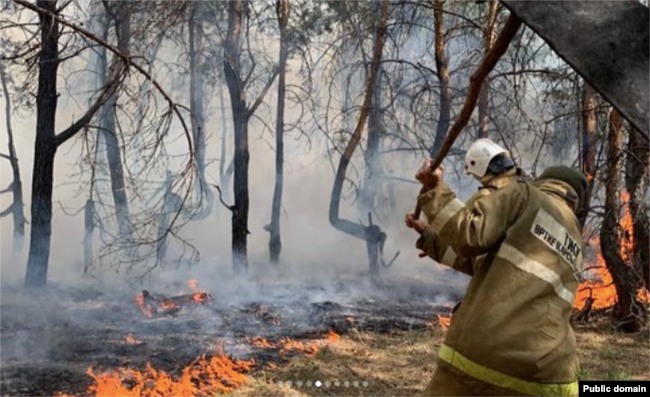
[[589, 128], [444, 116], [89, 228], [638, 164], [47, 142], [241, 114], [275, 242], [483, 99], [17, 206], [44, 148], [372, 234], [627, 311], [121, 15], [234, 80]]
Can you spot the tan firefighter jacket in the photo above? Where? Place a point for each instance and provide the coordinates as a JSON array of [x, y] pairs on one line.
[[446, 255], [512, 329]]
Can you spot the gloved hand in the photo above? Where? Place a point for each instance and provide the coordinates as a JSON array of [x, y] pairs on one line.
[[427, 177], [414, 224]]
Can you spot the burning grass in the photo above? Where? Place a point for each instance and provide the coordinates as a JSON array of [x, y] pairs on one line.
[[218, 374], [205, 376], [88, 342]]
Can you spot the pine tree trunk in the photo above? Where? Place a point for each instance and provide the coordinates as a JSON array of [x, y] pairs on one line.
[[275, 241], [373, 177], [627, 311], [232, 71], [589, 128], [196, 91], [638, 161], [483, 99], [45, 149], [371, 234], [89, 228], [122, 25], [17, 205], [444, 116]]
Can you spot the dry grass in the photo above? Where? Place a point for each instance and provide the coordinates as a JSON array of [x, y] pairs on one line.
[[401, 364], [609, 355]]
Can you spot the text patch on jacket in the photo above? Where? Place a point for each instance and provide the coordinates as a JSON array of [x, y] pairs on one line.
[[554, 235]]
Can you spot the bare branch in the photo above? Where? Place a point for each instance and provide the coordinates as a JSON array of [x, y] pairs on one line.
[[71, 131], [8, 189], [7, 211], [175, 106], [260, 98], [229, 207]]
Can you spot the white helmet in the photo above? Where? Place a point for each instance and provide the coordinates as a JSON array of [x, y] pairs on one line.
[[479, 155]]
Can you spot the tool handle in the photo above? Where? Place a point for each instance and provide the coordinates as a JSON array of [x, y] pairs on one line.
[[475, 82]]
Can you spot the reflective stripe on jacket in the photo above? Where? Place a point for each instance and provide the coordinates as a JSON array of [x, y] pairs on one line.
[[513, 325]]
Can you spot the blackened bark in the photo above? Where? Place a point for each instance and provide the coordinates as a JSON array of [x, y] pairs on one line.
[[589, 128], [627, 311], [483, 99], [89, 228], [638, 164], [17, 205], [234, 80], [444, 116], [275, 241], [47, 142], [44, 148]]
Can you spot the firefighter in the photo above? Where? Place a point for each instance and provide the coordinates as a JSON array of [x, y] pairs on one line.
[[511, 336], [494, 168]]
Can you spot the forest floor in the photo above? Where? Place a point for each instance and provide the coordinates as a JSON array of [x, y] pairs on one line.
[[401, 363], [380, 341]]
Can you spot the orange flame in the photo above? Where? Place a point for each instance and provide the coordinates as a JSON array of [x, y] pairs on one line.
[[288, 345], [201, 297], [309, 348], [333, 337], [602, 289], [131, 340], [216, 375], [260, 342], [194, 285], [444, 321]]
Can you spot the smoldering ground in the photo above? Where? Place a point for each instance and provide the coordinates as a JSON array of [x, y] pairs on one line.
[[50, 337]]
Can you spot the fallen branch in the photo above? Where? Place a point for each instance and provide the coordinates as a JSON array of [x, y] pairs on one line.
[[152, 305]]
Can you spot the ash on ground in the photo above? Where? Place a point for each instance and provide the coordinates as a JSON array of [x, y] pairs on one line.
[[49, 338]]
